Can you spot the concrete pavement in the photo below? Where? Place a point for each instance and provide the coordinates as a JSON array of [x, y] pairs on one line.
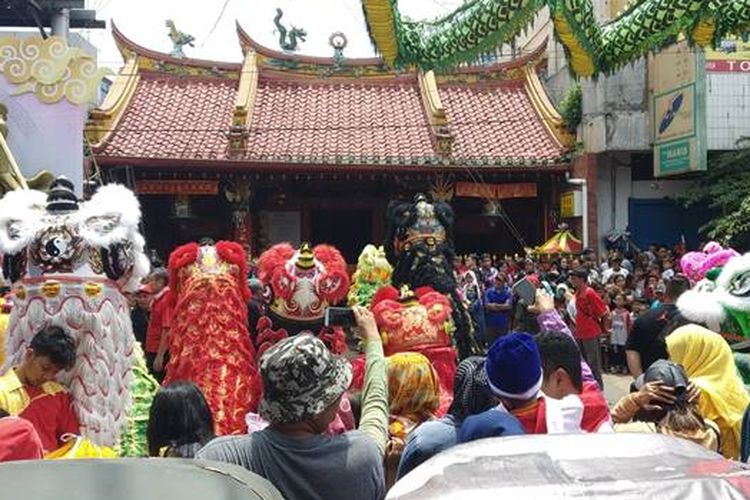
[[616, 386]]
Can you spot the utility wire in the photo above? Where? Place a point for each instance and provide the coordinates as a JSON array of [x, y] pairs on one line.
[[216, 23]]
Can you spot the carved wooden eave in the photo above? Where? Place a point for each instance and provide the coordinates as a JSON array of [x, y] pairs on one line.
[[104, 119], [436, 116], [549, 115], [243, 108]]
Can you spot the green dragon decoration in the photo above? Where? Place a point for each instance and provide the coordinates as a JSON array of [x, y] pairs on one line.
[[480, 26], [293, 35]]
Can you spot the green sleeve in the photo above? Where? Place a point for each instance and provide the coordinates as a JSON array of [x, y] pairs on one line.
[[374, 419]]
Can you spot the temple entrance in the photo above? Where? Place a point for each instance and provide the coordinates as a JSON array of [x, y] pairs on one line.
[[347, 230], [478, 233]]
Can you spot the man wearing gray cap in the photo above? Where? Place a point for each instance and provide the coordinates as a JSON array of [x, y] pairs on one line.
[[303, 384]]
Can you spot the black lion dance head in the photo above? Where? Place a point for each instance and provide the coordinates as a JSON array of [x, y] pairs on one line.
[[419, 244]]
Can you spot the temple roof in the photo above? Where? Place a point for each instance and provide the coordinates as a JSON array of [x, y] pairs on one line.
[[300, 111]]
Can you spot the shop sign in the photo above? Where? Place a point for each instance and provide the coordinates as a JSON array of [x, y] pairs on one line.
[[571, 204], [678, 110]]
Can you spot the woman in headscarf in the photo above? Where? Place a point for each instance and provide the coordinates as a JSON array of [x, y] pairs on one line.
[[708, 361], [471, 395], [414, 396]]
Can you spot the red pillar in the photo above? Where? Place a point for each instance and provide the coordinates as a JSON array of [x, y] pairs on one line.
[[584, 167]]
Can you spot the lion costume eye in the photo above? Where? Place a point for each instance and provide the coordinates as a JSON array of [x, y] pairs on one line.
[[740, 285]]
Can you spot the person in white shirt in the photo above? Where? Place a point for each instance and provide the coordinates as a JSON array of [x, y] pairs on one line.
[[615, 267]]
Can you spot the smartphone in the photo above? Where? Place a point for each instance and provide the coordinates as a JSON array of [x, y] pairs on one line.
[[526, 291], [340, 316]]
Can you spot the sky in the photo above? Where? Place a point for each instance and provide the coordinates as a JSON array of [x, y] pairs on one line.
[[142, 21]]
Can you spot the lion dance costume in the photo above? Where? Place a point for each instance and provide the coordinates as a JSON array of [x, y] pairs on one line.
[[721, 298], [419, 321], [299, 286], [209, 340], [420, 245], [373, 272], [68, 264]]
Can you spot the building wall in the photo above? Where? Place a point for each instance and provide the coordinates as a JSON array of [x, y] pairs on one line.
[[46, 136], [615, 111], [727, 108]]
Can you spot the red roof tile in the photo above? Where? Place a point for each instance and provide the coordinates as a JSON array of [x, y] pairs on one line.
[[351, 123], [496, 121], [339, 119], [175, 118], [183, 112]]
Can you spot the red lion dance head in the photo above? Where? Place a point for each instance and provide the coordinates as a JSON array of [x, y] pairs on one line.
[[209, 343], [300, 285], [417, 321]]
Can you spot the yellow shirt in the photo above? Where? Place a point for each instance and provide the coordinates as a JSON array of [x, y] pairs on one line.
[[4, 319], [13, 397]]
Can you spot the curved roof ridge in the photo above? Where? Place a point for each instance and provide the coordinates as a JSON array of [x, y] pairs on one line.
[[247, 41], [125, 44]]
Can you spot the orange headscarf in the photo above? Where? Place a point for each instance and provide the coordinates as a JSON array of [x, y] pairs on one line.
[[414, 391], [708, 361]]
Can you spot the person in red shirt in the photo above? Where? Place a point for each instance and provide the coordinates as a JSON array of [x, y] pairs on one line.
[[158, 325], [30, 392], [592, 318], [18, 439]]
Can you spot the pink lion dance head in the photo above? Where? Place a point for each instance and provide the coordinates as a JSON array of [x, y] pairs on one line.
[[695, 265]]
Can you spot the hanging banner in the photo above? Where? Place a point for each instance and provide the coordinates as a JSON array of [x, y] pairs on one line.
[[496, 191], [177, 187], [678, 110]]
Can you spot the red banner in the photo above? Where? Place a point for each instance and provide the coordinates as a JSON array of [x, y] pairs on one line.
[[728, 66], [177, 187], [496, 191]]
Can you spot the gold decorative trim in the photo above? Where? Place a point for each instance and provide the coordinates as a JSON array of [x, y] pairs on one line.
[[151, 60], [248, 88], [104, 119], [243, 107], [50, 69], [435, 112], [550, 117]]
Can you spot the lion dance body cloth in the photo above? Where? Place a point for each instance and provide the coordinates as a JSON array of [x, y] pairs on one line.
[[68, 264], [209, 340]]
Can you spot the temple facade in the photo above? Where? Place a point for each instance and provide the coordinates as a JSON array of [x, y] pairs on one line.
[[284, 147]]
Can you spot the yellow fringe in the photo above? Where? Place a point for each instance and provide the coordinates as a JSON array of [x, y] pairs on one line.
[[381, 22], [580, 60], [703, 34]]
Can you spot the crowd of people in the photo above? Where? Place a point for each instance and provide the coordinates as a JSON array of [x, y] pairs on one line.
[[600, 300], [549, 330]]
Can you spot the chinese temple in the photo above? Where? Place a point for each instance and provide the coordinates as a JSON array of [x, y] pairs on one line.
[[289, 147]]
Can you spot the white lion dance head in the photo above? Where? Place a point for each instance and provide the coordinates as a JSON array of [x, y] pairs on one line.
[[68, 263]]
